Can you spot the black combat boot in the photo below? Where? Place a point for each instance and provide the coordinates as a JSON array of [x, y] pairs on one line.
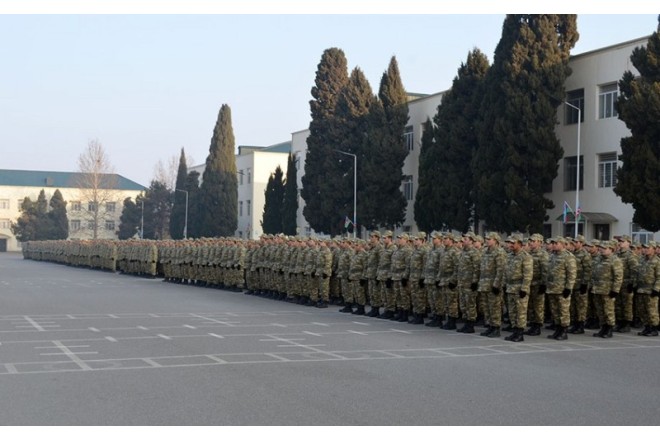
[[403, 316], [495, 332], [649, 331], [577, 328], [534, 329], [373, 312], [592, 323], [435, 322], [562, 335], [396, 315], [623, 326], [508, 328], [557, 332], [468, 327], [347, 308], [602, 331], [517, 335], [451, 324], [551, 327], [386, 315], [321, 304], [417, 319], [359, 310], [487, 332]]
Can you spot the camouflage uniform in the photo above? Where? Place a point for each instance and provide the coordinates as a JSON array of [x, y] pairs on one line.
[[417, 290], [400, 275], [468, 282], [357, 278], [536, 305], [371, 273], [491, 279], [447, 281], [648, 290], [384, 276], [624, 301], [323, 271], [518, 280], [431, 268], [562, 271], [606, 280]]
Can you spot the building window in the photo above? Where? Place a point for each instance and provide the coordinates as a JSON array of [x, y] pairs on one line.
[[75, 205], [408, 138], [607, 96], [110, 207], [91, 225], [249, 175], [407, 228], [408, 187], [575, 98], [640, 235], [547, 230], [240, 208], [74, 225], [240, 177], [4, 204], [570, 175], [5, 224], [569, 228], [92, 206], [601, 231], [19, 204], [110, 225], [607, 165], [249, 206]]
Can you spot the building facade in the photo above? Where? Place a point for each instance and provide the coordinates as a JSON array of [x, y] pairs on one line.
[[16, 185]]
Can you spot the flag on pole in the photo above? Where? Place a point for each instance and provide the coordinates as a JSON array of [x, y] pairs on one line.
[[567, 209], [577, 213], [347, 222]]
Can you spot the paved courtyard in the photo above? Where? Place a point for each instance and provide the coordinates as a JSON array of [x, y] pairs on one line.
[[81, 347]]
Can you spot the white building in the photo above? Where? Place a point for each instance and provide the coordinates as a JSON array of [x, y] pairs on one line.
[[255, 165], [593, 88], [16, 185]]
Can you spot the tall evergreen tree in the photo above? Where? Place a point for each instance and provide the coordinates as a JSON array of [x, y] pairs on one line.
[[448, 202], [177, 218], [218, 196], [274, 196], [192, 187], [58, 221], [518, 153], [157, 208], [26, 226], [428, 197], [290, 203], [639, 107], [130, 219], [322, 168]]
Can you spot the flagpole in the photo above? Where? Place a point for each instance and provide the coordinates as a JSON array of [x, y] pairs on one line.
[[354, 189], [577, 180]]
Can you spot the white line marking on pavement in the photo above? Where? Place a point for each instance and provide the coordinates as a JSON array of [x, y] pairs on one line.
[[311, 333], [401, 331], [279, 325], [362, 323], [84, 366], [164, 337], [94, 330], [33, 323], [151, 362], [356, 332], [143, 328], [189, 327], [11, 369], [112, 339], [216, 335], [112, 316], [219, 360], [276, 356], [320, 324]]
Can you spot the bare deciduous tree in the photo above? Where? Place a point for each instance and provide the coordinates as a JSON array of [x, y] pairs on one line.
[[97, 183], [166, 173]]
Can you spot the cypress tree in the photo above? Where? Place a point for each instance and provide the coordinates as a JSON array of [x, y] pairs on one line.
[[218, 195], [322, 168], [57, 218], [157, 206], [428, 197], [290, 203], [639, 107], [518, 153], [130, 219], [274, 196], [177, 218], [192, 186]]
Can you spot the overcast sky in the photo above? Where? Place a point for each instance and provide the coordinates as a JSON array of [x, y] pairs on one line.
[[147, 85]]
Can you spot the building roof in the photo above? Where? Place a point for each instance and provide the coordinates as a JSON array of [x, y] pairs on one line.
[[54, 179]]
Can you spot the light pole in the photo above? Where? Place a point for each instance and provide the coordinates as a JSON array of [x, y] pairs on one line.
[[354, 189], [577, 179], [185, 224], [142, 220]]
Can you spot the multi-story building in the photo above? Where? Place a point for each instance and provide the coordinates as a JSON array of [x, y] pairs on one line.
[[254, 166], [592, 88], [16, 185]]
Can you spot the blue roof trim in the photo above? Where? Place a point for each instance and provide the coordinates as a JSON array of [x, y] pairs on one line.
[[54, 179]]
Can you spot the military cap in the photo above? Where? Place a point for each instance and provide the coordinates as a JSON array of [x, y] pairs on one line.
[[558, 239], [594, 242], [607, 244], [478, 238], [580, 238], [375, 233], [436, 235], [515, 237], [403, 236], [650, 244], [536, 237], [388, 233], [494, 235], [469, 235], [421, 235], [625, 238]]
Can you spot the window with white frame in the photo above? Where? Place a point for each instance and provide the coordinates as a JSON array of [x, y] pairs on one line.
[[90, 225], [607, 165], [249, 175], [240, 208], [408, 138], [4, 204], [240, 177], [74, 225], [75, 205], [408, 187], [640, 235], [574, 98], [110, 207], [607, 96], [110, 225], [92, 206], [570, 173], [249, 207], [5, 224]]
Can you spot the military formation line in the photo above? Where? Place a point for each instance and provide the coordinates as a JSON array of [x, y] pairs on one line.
[[439, 280]]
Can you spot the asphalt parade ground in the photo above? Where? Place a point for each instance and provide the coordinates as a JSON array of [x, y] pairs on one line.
[[83, 347]]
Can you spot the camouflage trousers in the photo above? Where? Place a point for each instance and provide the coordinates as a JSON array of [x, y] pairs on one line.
[[560, 308], [494, 316], [605, 309], [359, 290], [482, 305], [624, 305], [579, 304], [373, 290], [310, 287], [518, 310], [451, 301], [418, 296], [402, 294], [649, 313], [387, 295], [435, 299], [468, 300], [334, 287], [346, 291], [536, 305], [323, 288]]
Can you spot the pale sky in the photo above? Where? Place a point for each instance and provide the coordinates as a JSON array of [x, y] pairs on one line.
[[147, 85]]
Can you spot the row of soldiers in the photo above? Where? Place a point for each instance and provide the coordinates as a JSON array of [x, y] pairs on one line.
[[411, 278]]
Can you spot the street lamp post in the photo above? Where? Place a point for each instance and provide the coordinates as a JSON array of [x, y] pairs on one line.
[[354, 189], [577, 179], [142, 220], [185, 224]]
